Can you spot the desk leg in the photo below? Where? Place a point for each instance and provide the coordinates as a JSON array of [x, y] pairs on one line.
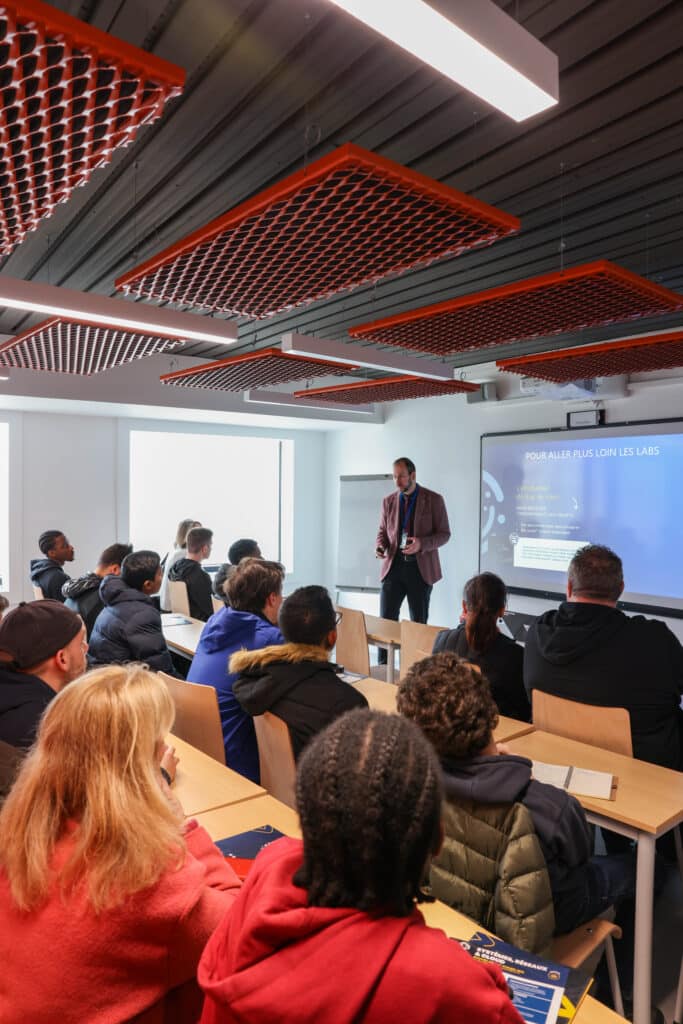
[[642, 965], [391, 649]]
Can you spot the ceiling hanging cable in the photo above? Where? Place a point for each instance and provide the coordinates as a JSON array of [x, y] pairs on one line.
[[562, 241]]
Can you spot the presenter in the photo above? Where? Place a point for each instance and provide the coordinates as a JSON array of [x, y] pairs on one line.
[[413, 526]]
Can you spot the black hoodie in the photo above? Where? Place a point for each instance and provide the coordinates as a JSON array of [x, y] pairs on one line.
[[23, 698], [49, 576], [298, 684], [595, 654], [83, 597], [198, 585], [501, 664]]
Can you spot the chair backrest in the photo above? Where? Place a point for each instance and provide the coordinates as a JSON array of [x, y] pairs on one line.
[[38, 594], [197, 719], [177, 592], [276, 757], [608, 728], [352, 642], [217, 603], [417, 641]]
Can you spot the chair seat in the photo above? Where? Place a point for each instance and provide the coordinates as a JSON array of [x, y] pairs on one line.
[[576, 947]]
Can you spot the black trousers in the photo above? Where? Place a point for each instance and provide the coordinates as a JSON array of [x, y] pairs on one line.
[[403, 580]]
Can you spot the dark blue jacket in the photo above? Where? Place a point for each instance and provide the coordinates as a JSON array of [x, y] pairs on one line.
[[226, 632], [128, 629], [49, 576]]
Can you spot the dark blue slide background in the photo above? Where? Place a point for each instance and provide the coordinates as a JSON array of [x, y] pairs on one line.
[[623, 491]]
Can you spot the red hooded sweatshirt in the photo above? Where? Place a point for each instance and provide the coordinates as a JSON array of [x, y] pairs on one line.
[[275, 958]]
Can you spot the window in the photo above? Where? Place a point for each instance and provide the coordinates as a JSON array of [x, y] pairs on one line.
[[237, 486], [4, 506]]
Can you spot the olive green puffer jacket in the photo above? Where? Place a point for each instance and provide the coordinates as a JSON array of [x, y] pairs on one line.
[[492, 869]]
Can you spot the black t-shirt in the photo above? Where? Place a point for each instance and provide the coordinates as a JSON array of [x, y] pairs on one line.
[[502, 664]]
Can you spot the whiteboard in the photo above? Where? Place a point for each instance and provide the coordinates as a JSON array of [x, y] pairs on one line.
[[360, 507]]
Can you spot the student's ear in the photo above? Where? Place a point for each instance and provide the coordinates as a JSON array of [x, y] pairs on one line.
[[331, 639], [569, 590], [464, 610], [114, 570]]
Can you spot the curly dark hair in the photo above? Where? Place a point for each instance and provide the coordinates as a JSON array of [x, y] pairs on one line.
[[451, 701], [369, 796]]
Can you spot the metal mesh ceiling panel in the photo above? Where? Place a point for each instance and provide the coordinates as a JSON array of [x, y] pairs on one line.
[[590, 295], [386, 389], [632, 355], [260, 369], [67, 346], [70, 95], [348, 219]]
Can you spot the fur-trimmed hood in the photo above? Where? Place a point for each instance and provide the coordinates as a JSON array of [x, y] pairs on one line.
[[266, 676], [250, 661]]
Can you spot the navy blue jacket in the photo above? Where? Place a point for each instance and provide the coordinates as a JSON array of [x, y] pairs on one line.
[[128, 629], [49, 576], [228, 631]]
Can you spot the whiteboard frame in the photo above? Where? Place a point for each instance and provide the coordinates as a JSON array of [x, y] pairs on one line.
[[344, 588]]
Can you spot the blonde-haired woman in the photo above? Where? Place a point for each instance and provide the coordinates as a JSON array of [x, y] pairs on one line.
[[107, 896], [178, 551]]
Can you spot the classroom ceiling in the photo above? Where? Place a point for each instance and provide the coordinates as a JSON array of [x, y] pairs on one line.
[[274, 84]]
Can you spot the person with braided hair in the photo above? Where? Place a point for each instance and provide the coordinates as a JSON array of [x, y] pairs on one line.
[[328, 929], [479, 641]]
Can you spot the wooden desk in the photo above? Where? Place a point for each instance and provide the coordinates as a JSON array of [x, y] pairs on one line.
[[202, 783], [262, 810], [649, 802], [384, 633], [183, 639], [457, 926], [510, 728], [380, 696]]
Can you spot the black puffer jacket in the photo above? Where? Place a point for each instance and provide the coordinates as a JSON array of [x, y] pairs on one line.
[[83, 597], [23, 698], [49, 576], [128, 629]]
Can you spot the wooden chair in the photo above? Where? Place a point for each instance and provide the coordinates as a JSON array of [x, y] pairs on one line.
[[276, 757], [38, 594], [417, 641], [217, 604], [608, 728], [352, 642], [177, 593], [587, 941], [197, 719]]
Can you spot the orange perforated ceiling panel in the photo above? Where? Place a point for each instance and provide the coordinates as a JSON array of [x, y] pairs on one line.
[[586, 296], [267, 367], [386, 389], [70, 96], [70, 346], [348, 219], [630, 355]]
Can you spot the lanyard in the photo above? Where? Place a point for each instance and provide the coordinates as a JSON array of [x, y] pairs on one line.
[[406, 512]]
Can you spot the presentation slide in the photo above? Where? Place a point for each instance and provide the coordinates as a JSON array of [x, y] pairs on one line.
[[543, 495]]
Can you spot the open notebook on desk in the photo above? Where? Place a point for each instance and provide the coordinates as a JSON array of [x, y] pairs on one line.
[[579, 781]]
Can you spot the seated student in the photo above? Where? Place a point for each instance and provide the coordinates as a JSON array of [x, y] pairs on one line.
[[328, 929], [188, 570], [103, 884], [178, 551], [220, 580], [83, 594], [451, 702], [42, 648], [243, 548], [297, 681], [479, 640], [129, 626], [48, 573], [255, 595]]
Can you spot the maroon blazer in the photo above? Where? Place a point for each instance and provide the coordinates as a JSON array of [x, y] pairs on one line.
[[430, 527]]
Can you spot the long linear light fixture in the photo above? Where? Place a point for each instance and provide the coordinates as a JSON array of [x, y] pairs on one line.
[[261, 396], [36, 297], [474, 43], [368, 356]]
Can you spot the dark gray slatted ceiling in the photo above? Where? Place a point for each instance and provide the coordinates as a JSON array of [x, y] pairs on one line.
[[274, 83]]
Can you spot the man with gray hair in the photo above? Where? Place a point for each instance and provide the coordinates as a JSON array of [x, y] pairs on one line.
[[590, 651]]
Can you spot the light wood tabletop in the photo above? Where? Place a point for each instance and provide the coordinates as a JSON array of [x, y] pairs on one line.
[[380, 696], [510, 728], [262, 810], [202, 783], [386, 631], [182, 637], [457, 926], [648, 798]]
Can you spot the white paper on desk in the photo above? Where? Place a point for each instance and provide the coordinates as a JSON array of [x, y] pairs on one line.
[[579, 781], [169, 619], [350, 677]]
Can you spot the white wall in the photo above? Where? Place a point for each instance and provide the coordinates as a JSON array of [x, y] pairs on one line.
[[70, 472], [442, 437]]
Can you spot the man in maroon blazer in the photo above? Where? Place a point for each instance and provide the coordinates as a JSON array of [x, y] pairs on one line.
[[413, 526]]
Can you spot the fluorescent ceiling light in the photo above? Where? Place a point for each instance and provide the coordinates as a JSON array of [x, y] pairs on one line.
[[263, 397], [35, 297], [364, 355], [475, 43]]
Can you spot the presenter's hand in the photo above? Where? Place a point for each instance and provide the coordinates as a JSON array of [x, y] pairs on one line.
[[379, 552], [413, 546]]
